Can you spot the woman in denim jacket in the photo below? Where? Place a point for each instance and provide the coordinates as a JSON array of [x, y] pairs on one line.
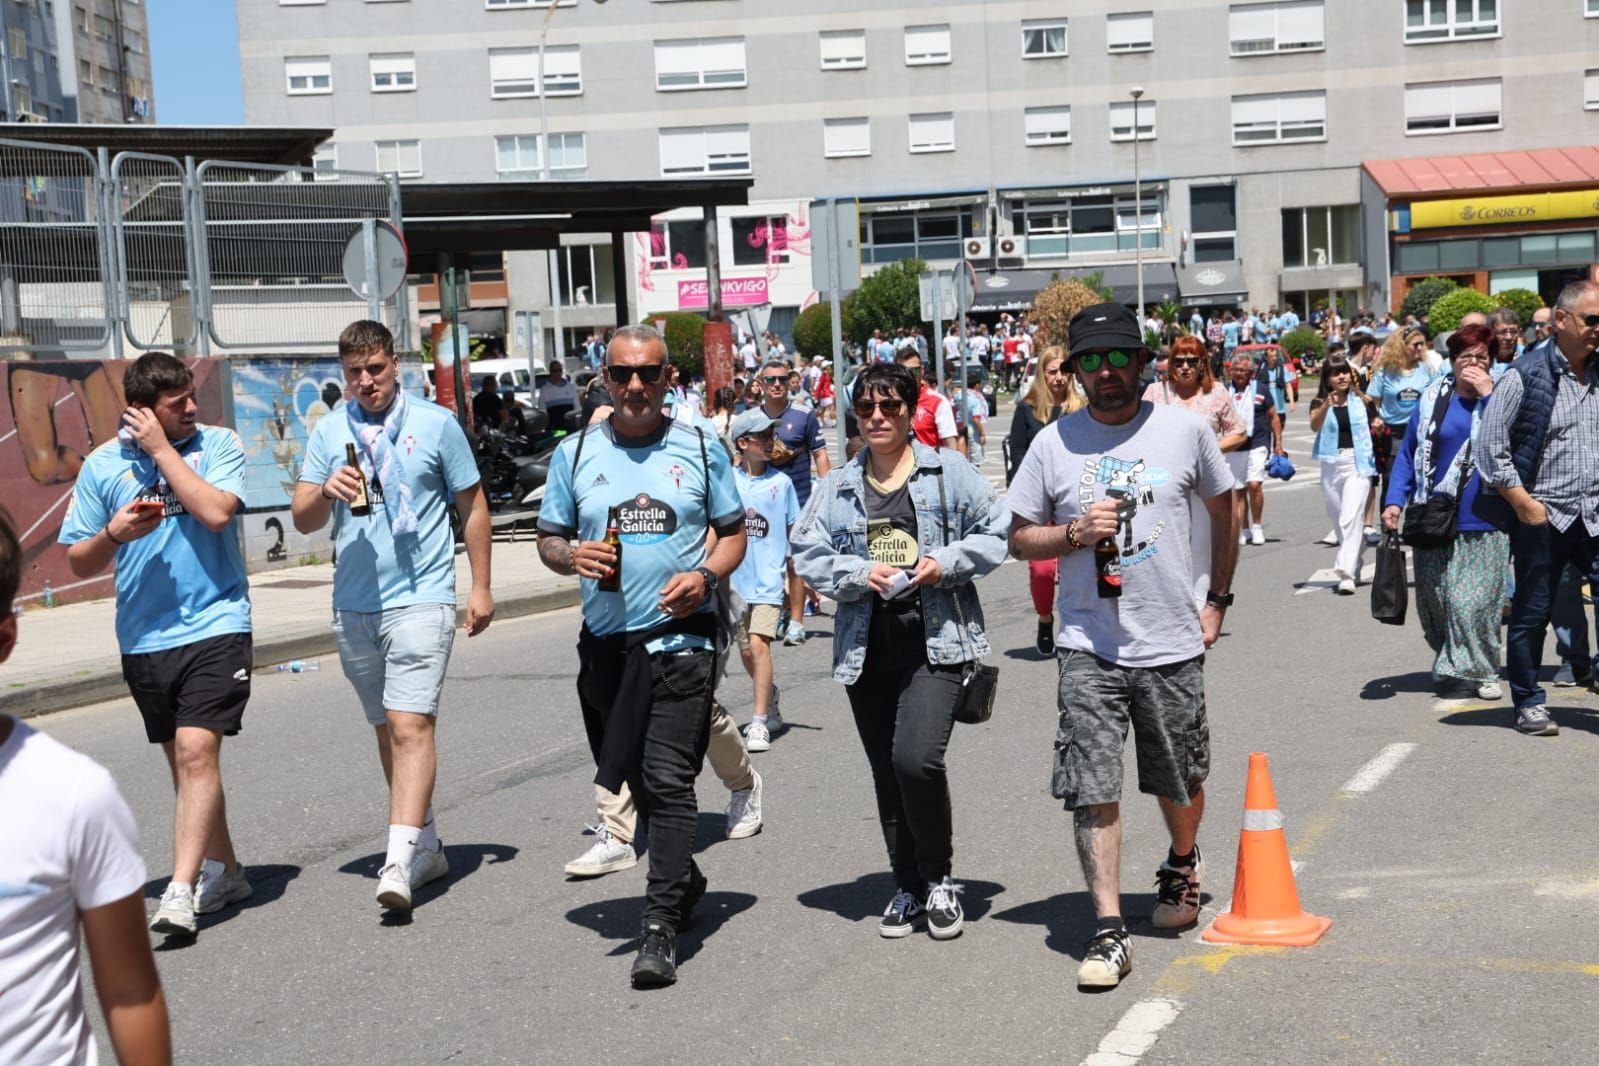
[[896, 537]]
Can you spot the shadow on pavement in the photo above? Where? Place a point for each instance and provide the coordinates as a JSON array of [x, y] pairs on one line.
[[465, 859], [867, 896], [268, 882], [1068, 919], [1505, 718], [1028, 655], [620, 919], [1386, 688]]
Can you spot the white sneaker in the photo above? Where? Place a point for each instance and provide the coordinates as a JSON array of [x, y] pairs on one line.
[[1243, 538], [1372, 536], [1490, 690], [428, 866], [175, 915], [394, 888], [744, 812], [757, 737], [605, 856], [1257, 535], [1331, 540], [215, 888], [1346, 586]]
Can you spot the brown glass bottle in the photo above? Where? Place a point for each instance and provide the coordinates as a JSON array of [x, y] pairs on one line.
[[612, 582], [361, 506], [1108, 567]]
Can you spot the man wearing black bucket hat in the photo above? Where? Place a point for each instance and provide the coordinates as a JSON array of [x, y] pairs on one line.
[[1133, 653]]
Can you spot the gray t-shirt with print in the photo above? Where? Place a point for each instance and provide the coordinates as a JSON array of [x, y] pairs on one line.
[[1158, 461]]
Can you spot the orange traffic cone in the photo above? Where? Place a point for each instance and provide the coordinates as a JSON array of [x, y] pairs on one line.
[[1265, 899]]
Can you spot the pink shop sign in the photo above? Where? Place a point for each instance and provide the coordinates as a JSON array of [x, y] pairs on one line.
[[736, 292]]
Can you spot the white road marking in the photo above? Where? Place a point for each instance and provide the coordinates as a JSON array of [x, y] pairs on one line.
[[1135, 1032], [1325, 579], [1370, 776]]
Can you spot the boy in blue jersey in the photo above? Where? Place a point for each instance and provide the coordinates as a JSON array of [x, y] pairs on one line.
[[394, 582], [646, 653], [160, 502], [770, 509]]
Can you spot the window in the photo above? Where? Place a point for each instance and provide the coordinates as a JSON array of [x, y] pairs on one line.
[[1089, 225], [1048, 125], [933, 132], [569, 156], [843, 137], [678, 245], [1592, 10], [19, 40], [1043, 38], [1321, 236], [308, 75], [705, 150], [760, 241], [713, 63], [1590, 89], [515, 71], [1275, 118], [1285, 26], [1121, 120], [500, 5], [1444, 20], [1213, 221], [926, 44], [586, 277], [325, 163], [1134, 32], [843, 49], [400, 157], [393, 72], [1442, 106], [888, 237], [516, 156]]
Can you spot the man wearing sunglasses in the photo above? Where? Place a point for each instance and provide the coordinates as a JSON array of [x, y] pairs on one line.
[[1540, 450], [646, 654], [1128, 472]]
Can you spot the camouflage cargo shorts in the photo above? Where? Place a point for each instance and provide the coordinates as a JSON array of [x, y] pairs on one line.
[[1165, 706]]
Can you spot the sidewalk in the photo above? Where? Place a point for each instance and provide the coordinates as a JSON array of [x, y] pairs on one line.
[[67, 656]]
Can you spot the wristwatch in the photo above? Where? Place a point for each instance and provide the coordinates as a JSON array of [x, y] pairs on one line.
[[711, 580], [1219, 599]]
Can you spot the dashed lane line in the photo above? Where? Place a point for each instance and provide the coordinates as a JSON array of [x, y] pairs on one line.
[[1371, 775], [1135, 1032]]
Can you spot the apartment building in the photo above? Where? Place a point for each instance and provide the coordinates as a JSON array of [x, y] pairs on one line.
[[109, 45], [1005, 133], [31, 87]]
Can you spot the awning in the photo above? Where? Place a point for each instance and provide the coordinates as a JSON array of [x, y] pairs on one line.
[[921, 203], [1010, 290], [1540, 169], [1160, 282], [1210, 284], [1013, 290]]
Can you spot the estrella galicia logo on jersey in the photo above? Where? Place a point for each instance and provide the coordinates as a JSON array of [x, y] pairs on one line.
[[646, 520], [755, 523]]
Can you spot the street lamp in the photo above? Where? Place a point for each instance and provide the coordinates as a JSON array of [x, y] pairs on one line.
[[1138, 211]]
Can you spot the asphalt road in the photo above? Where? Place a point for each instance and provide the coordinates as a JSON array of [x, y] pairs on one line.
[[1459, 883]]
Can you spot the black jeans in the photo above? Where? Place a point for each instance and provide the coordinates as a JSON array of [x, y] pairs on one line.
[[904, 709], [674, 752], [1539, 555]]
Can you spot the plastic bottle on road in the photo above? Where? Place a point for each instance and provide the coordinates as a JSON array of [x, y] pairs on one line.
[[298, 666]]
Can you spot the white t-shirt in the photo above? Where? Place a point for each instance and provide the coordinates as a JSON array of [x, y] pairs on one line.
[[952, 347], [552, 394], [67, 843]]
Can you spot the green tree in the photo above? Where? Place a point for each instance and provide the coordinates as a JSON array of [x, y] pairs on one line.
[[685, 340], [887, 300], [1452, 307], [813, 330], [1303, 340], [1522, 301], [1423, 294]]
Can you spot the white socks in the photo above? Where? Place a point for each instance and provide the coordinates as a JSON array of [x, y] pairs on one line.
[[402, 846], [429, 840]]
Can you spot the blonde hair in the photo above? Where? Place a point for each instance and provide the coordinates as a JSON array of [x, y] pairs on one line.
[[1394, 358], [1040, 399]]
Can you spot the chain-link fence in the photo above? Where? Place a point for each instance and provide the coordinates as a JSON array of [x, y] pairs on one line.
[[154, 267]]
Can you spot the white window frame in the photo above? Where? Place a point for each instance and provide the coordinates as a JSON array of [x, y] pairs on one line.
[[1417, 92], [1230, 235], [842, 146], [1590, 89], [560, 77], [325, 162], [1441, 21], [701, 63], [1119, 107], [1038, 131], [1041, 29], [1134, 38], [392, 72], [850, 57], [399, 148], [719, 150], [1279, 118], [521, 144], [1591, 10], [930, 121], [1244, 18], [310, 69], [565, 170], [922, 47]]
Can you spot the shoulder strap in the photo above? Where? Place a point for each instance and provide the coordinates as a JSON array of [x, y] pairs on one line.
[[705, 464], [577, 456]]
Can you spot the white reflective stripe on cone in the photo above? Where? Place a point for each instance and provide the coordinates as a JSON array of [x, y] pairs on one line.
[[1262, 821]]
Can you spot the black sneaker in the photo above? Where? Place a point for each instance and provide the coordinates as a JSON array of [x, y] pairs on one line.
[[1107, 959], [656, 963], [905, 912], [1046, 637], [944, 915], [696, 892]]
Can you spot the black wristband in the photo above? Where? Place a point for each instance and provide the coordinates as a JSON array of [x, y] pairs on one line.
[[113, 540], [323, 489]]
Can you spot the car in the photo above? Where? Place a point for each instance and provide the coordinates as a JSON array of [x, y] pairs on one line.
[[1029, 372], [514, 376]]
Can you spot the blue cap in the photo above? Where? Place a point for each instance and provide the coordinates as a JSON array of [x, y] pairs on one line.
[[755, 420]]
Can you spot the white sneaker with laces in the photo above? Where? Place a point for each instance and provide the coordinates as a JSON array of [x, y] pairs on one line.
[[744, 811], [1331, 540], [215, 888], [605, 856], [1490, 690], [1243, 538], [1346, 586], [175, 915], [757, 737], [1177, 893], [428, 866], [1257, 535], [394, 888]]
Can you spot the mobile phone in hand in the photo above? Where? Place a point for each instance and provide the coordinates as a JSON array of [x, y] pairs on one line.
[[898, 585], [144, 507]]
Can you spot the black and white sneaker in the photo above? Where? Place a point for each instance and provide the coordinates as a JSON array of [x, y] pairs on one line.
[[944, 915], [1177, 893], [1046, 636], [1107, 959], [905, 912]]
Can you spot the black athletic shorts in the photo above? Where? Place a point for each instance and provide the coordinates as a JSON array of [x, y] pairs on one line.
[[204, 684]]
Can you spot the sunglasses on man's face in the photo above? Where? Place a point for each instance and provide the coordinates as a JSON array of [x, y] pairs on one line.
[[890, 408], [775, 379], [1090, 362], [1591, 321], [649, 373]]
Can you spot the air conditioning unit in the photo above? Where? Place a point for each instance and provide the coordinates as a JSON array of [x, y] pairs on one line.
[[975, 248], [1010, 248]]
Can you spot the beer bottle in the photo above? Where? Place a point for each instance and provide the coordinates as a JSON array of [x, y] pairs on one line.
[[612, 582], [1108, 565], [361, 506]]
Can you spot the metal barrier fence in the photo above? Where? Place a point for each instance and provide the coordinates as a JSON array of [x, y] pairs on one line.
[[148, 251]]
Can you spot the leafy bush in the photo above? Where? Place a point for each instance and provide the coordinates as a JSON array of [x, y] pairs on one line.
[[1522, 301], [887, 300], [1423, 294], [1452, 307], [813, 330], [1061, 299], [685, 340], [1302, 341]]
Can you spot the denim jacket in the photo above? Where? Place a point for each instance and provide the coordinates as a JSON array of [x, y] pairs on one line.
[[830, 552], [1326, 446]]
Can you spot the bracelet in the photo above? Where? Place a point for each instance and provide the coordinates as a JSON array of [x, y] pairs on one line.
[[323, 489], [113, 540], [1071, 536]]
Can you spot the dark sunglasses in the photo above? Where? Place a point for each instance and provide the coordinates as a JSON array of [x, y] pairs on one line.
[[1591, 321], [1090, 362], [649, 373], [890, 408], [1181, 362], [775, 379]]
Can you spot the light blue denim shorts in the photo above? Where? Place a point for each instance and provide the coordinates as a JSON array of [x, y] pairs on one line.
[[396, 658]]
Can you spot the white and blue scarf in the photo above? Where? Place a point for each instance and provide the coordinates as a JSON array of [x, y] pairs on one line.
[[376, 435]]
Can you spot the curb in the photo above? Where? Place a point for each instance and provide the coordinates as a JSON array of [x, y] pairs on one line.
[[65, 694]]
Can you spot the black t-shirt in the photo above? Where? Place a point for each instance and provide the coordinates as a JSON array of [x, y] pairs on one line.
[[1346, 438], [1260, 427], [487, 408], [891, 536]]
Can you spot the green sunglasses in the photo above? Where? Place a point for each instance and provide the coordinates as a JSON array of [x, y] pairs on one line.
[[1090, 362]]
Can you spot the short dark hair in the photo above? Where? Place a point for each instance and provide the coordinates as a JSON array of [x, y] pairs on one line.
[[1361, 340], [152, 374], [1469, 336], [365, 336], [889, 379], [10, 563]]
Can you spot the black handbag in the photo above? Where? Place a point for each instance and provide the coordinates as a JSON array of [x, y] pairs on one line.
[[1390, 585], [979, 681]]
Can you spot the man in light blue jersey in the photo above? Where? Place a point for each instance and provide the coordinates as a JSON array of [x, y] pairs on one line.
[[646, 654], [394, 584], [161, 502]]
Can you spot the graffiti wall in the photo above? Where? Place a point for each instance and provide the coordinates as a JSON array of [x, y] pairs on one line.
[[60, 411]]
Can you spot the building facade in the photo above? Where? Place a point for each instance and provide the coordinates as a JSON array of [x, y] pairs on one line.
[[109, 45], [1007, 134], [31, 88]]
